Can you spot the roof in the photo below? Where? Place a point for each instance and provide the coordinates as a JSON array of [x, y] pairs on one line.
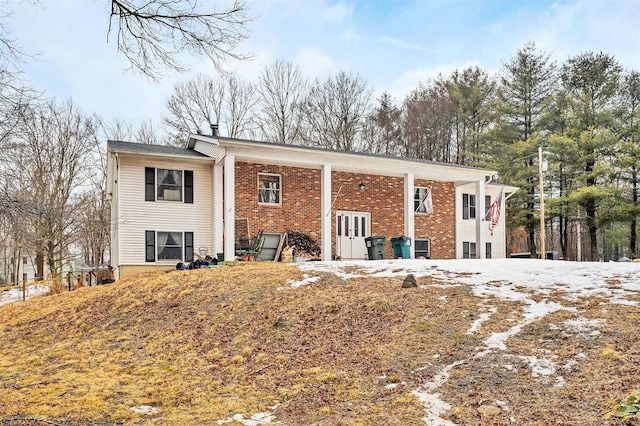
[[144, 148], [217, 139]]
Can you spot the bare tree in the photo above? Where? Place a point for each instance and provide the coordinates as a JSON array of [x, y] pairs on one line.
[[281, 91], [153, 34], [14, 93], [193, 103], [92, 232], [335, 110], [428, 117], [52, 156], [239, 112], [205, 100], [122, 130]]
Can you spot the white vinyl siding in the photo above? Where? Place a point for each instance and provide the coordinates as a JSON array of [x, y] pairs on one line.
[[136, 215], [466, 229]]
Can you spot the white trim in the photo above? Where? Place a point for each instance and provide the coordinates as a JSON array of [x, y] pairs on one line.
[[116, 222], [480, 208], [229, 207], [325, 209], [409, 214], [351, 162], [218, 210], [279, 190]]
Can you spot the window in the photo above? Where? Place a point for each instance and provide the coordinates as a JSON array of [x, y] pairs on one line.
[[168, 185], [487, 205], [419, 199], [24, 260], [488, 250], [268, 188], [468, 206], [168, 246], [468, 250], [422, 249]]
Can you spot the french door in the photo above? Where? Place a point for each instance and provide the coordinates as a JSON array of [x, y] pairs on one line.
[[351, 230]]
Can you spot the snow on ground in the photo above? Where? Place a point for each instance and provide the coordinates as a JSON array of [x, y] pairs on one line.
[[7, 297], [523, 280]]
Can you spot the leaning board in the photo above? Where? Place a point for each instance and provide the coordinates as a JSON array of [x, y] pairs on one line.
[[270, 247]]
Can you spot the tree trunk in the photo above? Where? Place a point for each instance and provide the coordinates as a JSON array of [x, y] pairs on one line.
[[632, 233], [531, 230]]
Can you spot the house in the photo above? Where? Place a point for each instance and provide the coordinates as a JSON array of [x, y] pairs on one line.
[[167, 202]]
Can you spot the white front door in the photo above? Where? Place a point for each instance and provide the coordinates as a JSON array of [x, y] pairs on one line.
[[351, 230]]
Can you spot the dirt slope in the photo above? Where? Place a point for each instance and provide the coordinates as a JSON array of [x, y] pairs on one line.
[[225, 344]]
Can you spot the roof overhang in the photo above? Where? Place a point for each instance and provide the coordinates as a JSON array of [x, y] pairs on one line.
[[308, 157]]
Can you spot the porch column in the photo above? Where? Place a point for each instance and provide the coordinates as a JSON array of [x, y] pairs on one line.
[[229, 207], [327, 219], [409, 211], [480, 222], [218, 214]]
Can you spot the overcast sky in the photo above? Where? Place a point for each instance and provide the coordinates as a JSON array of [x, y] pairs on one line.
[[393, 44]]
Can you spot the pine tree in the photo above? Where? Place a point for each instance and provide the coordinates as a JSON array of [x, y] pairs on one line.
[[526, 89]]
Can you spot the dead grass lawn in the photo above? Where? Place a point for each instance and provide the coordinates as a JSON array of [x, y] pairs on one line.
[[204, 345]]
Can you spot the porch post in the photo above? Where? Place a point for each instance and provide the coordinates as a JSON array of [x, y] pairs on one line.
[[409, 211], [480, 222], [218, 214], [229, 207], [327, 218]]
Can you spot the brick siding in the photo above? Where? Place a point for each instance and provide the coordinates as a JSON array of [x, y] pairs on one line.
[[383, 197], [440, 227], [300, 200]]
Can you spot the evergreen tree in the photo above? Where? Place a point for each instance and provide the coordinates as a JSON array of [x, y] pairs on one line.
[[629, 152], [590, 82], [527, 84], [473, 90]]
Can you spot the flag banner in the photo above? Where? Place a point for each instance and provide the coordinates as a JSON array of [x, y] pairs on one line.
[[494, 212]]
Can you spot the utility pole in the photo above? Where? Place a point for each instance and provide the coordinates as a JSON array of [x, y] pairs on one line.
[[542, 248]]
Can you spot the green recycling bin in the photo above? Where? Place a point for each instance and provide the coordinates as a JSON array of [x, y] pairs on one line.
[[375, 247], [401, 248]]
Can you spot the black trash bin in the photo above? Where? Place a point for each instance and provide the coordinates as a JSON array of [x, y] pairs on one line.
[[401, 248], [375, 247]]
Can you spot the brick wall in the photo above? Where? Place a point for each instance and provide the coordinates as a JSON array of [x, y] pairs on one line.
[[382, 196], [300, 200], [440, 227]]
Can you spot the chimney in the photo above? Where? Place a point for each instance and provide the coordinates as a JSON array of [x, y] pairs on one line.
[[214, 130]]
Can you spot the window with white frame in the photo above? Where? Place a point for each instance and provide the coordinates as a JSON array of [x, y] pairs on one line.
[[468, 206], [422, 248], [269, 188], [419, 199], [163, 245], [468, 250], [487, 205], [168, 185], [488, 250]]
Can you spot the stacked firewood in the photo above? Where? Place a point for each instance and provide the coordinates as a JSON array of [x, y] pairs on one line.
[[302, 244]]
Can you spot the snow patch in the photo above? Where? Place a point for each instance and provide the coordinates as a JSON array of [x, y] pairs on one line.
[[14, 295], [255, 420], [306, 279], [518, 280], [145, 409]]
